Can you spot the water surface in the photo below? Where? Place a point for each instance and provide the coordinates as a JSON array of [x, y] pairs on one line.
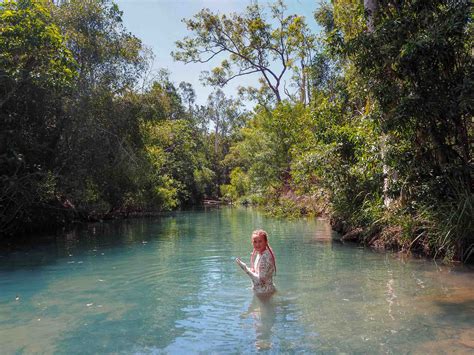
[[170, 285]]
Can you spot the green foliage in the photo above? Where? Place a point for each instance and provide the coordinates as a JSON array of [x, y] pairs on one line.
[[265, 160], [409, 88], [171, 150], [239, 185], [36, 73], [224, 116], [204, 181], [341, 157], [32, 49], [283, 207], [384, 144], [108, 56], [77, 140], [448, 224], [387, 132]]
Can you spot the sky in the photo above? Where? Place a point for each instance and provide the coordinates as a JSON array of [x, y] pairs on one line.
[[158, 24]]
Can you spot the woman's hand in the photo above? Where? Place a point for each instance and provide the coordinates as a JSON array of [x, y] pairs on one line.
[[241, 264]]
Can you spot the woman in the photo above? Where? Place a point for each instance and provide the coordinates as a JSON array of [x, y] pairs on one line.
[[262, 264]]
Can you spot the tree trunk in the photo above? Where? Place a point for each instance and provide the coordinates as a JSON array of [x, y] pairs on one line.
[[303, 84], [216, 138], [370, 8]]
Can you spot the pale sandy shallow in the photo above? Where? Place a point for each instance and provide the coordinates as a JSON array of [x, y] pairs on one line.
[[459, 294]]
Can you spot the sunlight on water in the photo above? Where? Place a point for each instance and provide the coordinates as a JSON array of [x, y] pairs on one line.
[[170, 285]]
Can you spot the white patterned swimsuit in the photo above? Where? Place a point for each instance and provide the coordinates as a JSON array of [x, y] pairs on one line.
[[262, 277]]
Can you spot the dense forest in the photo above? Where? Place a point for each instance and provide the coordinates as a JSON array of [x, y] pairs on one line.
[[368, 122]]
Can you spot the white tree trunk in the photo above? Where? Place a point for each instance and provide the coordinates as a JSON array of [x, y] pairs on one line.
[[370, 7]]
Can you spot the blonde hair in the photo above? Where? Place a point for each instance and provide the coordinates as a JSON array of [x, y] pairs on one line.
[[262, 233]]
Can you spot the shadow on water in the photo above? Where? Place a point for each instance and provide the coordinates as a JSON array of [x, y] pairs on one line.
[[457, 311], [454, 329], [91, 237]]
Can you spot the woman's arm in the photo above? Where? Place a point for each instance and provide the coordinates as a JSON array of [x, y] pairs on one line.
[[265, 268], [247, 270]]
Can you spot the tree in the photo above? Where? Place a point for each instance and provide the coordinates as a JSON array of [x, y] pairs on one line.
[[188, 95], [408, 67], [100, 146], [251, 43], [36, 74], [265, 150], [108, 56], [419, 64], [78, 139], [224, 114]]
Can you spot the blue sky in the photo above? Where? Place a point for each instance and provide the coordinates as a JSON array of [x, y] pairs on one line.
[[158, 24]]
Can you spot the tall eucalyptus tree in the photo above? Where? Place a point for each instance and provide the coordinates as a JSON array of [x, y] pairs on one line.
[[251, 44]]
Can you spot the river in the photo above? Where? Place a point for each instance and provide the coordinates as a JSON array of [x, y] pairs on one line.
[[170, 285]]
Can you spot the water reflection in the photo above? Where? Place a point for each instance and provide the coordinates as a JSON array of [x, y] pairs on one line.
[[390, 294], [262, 310]]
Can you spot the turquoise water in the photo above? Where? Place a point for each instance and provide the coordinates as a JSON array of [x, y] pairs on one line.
[[170, 285]]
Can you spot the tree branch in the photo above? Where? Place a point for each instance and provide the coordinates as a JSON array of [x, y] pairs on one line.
[[240, 73]]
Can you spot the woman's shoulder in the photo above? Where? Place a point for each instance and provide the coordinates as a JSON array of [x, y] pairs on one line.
[[266, 254]]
